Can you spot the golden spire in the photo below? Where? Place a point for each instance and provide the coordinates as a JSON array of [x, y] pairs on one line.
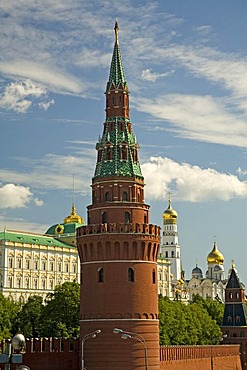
[[116, 31], [73, 217], [170, 215]]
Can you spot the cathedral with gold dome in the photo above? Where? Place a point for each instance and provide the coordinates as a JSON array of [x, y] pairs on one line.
[[172, 282]]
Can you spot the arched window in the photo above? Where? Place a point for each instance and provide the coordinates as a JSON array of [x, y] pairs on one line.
[[124, 152], [153, 276], [125, 196], [229, 319], [237, 318], [107, 196], [127, 217], [131, 274], [230, 295], [173, 255], [166, 254], [104, 218], [101, 275], [237, 295]]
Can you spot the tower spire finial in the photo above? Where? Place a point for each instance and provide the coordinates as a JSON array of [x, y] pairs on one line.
[[116, 28]]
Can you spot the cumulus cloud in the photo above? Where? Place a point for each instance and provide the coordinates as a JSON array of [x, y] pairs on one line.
[[149, 75], [17, 95], [16, 196], [189, 183]]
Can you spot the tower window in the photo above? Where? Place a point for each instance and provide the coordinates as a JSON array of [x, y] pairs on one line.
[[154, 276], [124, 152], [173, 254], [230, 295], [166, 254], [104, 218], [125, 196], [101, 275], [229, 319], [131, 274], [237, 318], [237, 295], [127, 217], [107, 196]]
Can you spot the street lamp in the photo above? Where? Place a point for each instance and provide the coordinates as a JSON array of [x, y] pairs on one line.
[[135, 336], [8, 358], [87, 336]]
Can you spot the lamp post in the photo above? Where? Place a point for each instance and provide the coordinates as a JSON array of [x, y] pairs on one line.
[[135, 336], [8, 358], [87, 336]]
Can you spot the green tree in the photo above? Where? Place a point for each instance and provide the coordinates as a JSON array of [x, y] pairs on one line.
[[28, 320], [60, 316], [214, 307], [8, 312], [186, 324]]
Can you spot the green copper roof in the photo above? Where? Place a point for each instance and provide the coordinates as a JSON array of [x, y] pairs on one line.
[[21, 237], [116, 71], [115, 140]]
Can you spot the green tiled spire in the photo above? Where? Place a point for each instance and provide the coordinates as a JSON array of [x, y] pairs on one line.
[[117, 148], [116, 71], [122, 149]]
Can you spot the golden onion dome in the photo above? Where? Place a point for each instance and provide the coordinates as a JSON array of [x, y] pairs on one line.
[[170, 215], [215, 256], [73, 217]]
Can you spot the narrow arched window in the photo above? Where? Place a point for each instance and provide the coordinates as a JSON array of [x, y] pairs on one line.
[[107, 196], [237, 295], [125, 196], [127, 217], [101, 276], [166, 254], [104, 218], [154, 277], [124, 152], [230, 295], [131, 274]]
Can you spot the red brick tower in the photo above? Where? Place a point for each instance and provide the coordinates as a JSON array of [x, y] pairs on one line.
[[118, 249]]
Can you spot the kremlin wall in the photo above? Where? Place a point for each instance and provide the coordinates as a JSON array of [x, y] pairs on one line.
[[121, 268]]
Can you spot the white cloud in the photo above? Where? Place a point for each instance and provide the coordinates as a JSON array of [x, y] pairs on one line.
[[54, 79], [17, 95], [46, 105], [148, 75], [189, 183], [16, 196], [203, 118]]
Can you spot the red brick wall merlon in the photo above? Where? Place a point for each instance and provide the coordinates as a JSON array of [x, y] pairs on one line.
[[200, 357]]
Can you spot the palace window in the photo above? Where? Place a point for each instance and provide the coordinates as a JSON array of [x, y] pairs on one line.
[[44, 265], [74, 268], [59, 266], [35, 284], [27, 283], [18, 283], [52, 266], [11, 262], [35, 264], [11, 282], [43, 284], [19, 263], [66, 267], [28, 264]]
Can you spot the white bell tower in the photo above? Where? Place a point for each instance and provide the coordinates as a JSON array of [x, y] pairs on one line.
[[170, 247]]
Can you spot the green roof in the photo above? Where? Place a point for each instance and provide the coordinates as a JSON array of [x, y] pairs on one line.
[[21, 237], [68, 228], [116, 139], [116, 71]]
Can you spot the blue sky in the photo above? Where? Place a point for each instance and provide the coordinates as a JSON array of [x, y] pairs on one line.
[[186, 66]]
